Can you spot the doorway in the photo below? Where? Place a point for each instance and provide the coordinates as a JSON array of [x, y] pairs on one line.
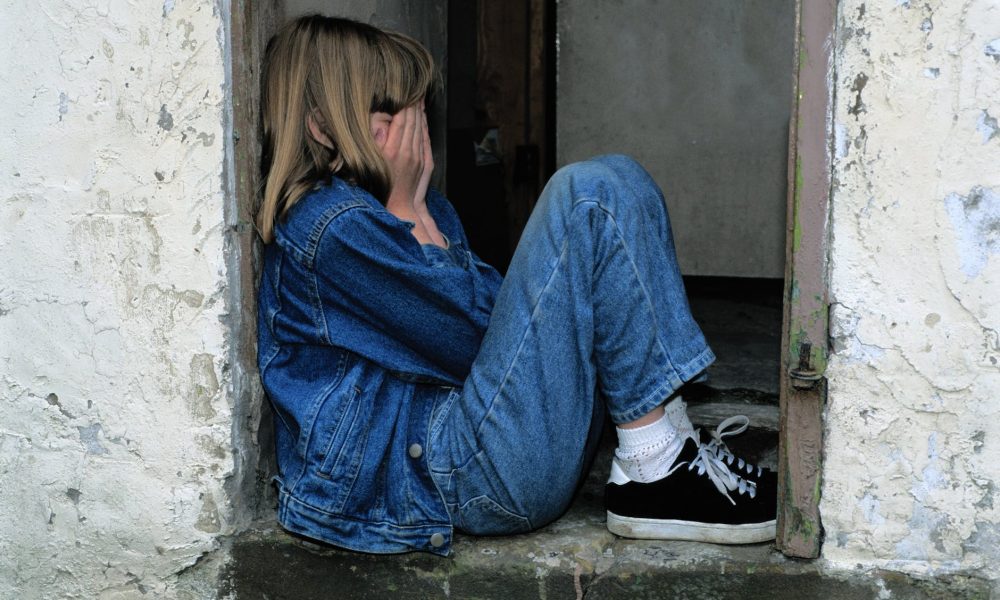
[[706, 95], [503, 72]]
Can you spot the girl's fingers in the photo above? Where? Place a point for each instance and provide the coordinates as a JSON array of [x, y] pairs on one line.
[[409, 129], [428, 155], [416, 143], [399, 122]]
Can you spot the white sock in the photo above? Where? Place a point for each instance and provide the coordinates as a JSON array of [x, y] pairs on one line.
[[676, 411], [646, 453]]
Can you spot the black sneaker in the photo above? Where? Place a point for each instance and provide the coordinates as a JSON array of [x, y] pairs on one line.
[[700, 500], [712, 440]]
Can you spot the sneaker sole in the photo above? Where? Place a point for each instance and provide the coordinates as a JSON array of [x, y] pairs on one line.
[[693, 531]]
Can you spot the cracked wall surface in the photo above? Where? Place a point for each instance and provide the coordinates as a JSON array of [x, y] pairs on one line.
[[115, 432], [912, 454]]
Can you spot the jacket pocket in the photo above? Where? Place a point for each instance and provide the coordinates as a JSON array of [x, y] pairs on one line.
[[341, 445], [336, 451]]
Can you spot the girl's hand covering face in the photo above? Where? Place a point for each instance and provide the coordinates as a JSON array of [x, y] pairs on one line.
[[406, 149], [406, 146], [428, 161]]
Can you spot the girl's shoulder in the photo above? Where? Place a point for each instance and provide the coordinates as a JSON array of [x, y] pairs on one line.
[[328, 199], [307, 219]]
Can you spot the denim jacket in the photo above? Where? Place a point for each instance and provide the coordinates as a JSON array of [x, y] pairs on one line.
[[362, 331]]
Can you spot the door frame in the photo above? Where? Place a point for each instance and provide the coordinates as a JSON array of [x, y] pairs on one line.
[[805, 325], [251, 25]]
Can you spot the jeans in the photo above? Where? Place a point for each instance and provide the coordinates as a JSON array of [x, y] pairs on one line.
[[592, 316]]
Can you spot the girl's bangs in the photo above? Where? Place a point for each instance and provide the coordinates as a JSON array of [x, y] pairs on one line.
[[407, 75]]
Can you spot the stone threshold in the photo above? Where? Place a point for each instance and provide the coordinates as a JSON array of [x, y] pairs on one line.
[[573, 559]]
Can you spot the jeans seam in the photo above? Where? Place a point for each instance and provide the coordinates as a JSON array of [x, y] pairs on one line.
[[648, 398], [524, 336]]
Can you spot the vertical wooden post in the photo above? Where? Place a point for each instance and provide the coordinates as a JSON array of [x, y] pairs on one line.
[[513, 89], [252, 24], [805, 327]]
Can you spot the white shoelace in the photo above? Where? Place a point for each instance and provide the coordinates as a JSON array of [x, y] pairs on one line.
[[707, 463], [720, 450]]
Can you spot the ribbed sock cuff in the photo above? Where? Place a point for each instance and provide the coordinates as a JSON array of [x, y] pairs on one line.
[[657, 432], [647, 453], [676, 411]]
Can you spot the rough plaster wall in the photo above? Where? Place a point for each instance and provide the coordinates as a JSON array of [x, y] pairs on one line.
[[912, 466], [115, 433]]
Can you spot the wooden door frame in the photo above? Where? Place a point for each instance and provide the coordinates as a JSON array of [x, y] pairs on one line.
[[516, 94], [252, 23], [805, 326]]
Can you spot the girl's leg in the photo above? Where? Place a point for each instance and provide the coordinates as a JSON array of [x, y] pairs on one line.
[[593, 307]]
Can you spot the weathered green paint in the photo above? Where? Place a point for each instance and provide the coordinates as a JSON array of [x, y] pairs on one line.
[[818, 355], [797, 199], [806, 310]]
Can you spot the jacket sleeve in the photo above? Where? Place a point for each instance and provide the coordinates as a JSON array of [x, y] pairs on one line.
[[371, 270]]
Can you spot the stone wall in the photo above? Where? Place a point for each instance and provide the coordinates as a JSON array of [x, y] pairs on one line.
[[116, 405], [115, 428], [912, 453]]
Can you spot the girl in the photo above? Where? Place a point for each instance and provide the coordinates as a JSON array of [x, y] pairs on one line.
[[414, 391]]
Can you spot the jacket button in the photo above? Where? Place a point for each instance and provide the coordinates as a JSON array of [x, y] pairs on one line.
[[437, 540], [415, 452]]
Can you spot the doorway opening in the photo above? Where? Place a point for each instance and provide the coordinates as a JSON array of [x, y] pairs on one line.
[[701, 93], [706, 104]]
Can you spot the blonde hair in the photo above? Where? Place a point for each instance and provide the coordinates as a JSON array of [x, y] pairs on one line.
[[339, 72]]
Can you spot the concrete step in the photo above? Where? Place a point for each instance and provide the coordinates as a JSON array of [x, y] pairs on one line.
[[710, 415], [573, 558]]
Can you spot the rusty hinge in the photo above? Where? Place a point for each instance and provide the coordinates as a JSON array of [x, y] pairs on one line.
[[803, 375]]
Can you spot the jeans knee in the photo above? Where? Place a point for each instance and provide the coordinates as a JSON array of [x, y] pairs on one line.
[[619, 162], [630, 169], [583, 174]]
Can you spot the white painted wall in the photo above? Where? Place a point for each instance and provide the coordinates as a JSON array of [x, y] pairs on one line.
[[115, 432], [912, 455], [115, 410]]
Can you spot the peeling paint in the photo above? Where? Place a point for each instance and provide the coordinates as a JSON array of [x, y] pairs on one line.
[[63, 104], [860, 81], [207, 139], [976, 219], [984, 538], [114, 346], [208, 519], [166, 120], [90, 437], [870, 505], [992, 50], [986, 125], [205, 386], [911, 422]]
